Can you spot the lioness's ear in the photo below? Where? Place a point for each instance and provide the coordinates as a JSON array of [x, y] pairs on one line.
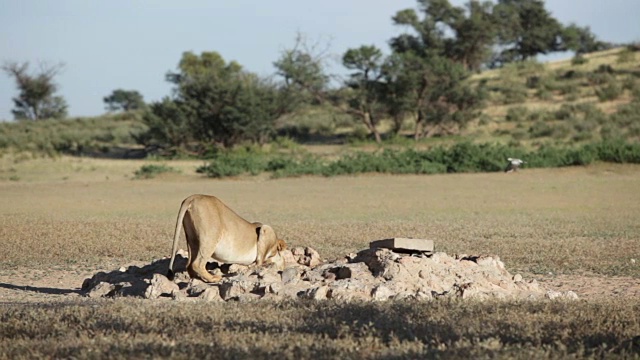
[[281, 245]]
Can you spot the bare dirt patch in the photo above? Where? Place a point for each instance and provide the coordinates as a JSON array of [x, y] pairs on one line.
[[28, 286]]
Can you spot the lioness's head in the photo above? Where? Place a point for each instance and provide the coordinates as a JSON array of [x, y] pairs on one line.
[[269, 246], [274, 256]]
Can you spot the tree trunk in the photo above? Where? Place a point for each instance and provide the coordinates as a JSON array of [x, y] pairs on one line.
[[366, 118], [397, 123], [417, 135]]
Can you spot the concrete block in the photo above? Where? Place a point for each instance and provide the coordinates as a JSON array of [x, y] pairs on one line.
[[404, 244]]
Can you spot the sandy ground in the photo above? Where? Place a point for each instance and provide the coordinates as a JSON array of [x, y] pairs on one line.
[[29, 286]]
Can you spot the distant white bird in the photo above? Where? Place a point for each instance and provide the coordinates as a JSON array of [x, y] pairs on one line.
[[513, 164]]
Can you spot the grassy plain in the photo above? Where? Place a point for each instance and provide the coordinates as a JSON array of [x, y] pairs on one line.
[[72, 213]]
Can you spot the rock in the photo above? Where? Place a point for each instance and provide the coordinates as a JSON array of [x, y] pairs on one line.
[[424, 295], [288, 257], [237, 269], [268, 276], [182, 276], [372, 274], [353, 270], [178, 295], [274, 288], [183, 253], [551, 294], [313, 257], [211, 293], [297, 251], [233, 289], [159, 286], [306, 256], [570, 295], [290, 275], [329, 276], [404, 244], [245, 298], [317, 293], [381, 292], [313, 275], [101, 289]]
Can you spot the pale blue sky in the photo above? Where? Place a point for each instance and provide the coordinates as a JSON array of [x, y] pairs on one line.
[[131, 44]]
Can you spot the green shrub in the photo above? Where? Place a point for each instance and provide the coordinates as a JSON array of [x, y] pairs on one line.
[[78, 136], [517, 113], [582, 136], [579, 60], [610, 132], [608, 93], [540, 129], [572, 97], [566, 111], [150, 171], [544, 94], [605, 69], [514, 93], [626, 56], [584, 125], [484, 119], [539, 115], [630, 83], [460, 157], [597, 78], [239, 161], [568, 89], [618, 151]]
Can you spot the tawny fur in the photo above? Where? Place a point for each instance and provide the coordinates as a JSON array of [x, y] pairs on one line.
[[215, 231]]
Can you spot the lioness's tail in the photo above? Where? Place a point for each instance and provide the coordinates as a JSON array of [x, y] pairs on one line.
[[176, 235]]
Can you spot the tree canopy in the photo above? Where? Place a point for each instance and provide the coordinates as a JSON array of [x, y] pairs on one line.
[[37, 97], [215, 103], [124, 100]]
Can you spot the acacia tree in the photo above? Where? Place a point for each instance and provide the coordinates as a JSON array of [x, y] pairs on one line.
[[364, 98], [526, 29], [581, 40], [36, 99], [215, 103], [474, 32], [426, 74], [303, 71], [124, 100]]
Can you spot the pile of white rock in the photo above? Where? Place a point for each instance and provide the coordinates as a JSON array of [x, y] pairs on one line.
[[372, 274]]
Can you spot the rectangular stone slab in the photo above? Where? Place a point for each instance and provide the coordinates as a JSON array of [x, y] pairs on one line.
[[404, 244]]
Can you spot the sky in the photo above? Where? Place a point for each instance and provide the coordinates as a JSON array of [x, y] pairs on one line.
[[131, 44]]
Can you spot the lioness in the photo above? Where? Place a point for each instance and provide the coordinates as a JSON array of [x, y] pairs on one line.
[[215, 231]]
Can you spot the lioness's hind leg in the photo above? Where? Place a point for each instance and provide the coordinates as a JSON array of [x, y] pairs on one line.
[[198, 269]]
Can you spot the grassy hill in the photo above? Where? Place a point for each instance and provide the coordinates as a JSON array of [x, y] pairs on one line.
[[529, 104], [562, 102]]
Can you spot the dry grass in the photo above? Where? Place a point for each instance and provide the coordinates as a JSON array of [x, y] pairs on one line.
[[570, 220], [320, 330]]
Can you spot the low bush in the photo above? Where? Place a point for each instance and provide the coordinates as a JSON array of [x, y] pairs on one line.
[[517, 113], [579, 60], [150, 171], [461, 157], [609, 92], [79, 136]]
